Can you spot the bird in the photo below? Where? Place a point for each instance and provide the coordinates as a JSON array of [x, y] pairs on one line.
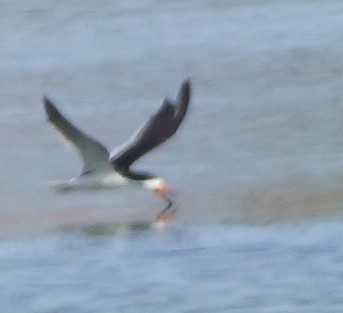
[[104, 170]]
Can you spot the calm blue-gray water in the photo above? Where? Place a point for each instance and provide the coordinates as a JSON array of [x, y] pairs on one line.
[[257, 164]]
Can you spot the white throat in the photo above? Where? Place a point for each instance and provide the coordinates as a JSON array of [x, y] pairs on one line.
[[154, 183]]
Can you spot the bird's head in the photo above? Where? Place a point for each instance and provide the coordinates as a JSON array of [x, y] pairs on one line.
[[158, 185]]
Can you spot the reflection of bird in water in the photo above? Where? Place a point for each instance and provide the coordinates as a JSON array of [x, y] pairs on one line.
[[101, 170]]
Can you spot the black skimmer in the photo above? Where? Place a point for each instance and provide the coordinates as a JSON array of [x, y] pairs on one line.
[[102, 170]]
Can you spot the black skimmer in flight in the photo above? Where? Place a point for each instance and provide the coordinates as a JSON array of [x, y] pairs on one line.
[[102, 170]]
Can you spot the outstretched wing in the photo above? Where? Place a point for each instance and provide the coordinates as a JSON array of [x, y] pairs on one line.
[[159, 127], [95, 156]]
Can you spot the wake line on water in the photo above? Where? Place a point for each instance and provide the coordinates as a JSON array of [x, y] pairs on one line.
[[36, 222]]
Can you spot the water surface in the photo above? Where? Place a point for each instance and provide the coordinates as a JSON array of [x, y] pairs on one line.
[[257, 164]]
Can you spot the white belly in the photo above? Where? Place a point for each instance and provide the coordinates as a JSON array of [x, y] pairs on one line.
[[91, 182]]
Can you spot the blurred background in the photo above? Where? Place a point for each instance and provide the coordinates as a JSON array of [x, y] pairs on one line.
[[257, 164]]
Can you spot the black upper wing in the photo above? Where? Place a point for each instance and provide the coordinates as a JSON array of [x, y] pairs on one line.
[[159, 127]]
